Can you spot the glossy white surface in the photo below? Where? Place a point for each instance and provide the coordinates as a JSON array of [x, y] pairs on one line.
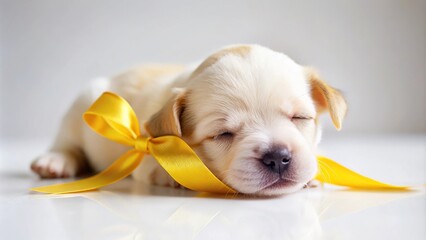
[[130, 210]]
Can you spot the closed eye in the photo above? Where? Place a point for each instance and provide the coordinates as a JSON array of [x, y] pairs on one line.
[[225, 135], [301, 117]]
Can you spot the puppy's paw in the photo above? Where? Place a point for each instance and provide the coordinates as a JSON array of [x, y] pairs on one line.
[[314, 184], [160, 177], [55, 165]]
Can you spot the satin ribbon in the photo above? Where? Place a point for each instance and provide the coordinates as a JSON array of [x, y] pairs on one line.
[[331, 172], [112, 117]]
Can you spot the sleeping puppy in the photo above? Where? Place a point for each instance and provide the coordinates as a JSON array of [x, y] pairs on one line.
[[251, 115]]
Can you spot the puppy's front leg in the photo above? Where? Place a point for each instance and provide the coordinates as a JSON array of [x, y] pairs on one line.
[[66, 157], [152, 173], [59, 164]]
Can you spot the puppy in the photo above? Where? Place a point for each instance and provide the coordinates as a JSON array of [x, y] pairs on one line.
[[250, 113]]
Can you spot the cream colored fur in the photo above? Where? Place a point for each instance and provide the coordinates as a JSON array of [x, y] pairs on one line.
[[258, 95]]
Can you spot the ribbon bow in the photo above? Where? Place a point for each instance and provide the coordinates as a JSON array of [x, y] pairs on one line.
[[112, 117]]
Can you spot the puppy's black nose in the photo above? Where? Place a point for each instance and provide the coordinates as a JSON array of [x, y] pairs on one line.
[[277, 159]]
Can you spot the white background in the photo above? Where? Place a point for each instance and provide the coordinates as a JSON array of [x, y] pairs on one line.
[[375, 51]]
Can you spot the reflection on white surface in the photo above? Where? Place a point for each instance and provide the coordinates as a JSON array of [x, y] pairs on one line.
[[153, 213], [131, 210]]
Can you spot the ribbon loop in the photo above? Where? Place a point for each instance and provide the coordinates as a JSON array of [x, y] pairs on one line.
[[112, 117]]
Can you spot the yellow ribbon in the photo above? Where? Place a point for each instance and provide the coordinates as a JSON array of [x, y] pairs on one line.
[[331, 172], [112, 117]]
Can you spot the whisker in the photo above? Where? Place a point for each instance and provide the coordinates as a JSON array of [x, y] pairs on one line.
[[246, 179], [225, 171], [289, 179], [245, 172]]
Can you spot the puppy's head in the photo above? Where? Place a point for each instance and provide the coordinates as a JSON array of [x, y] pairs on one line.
[[251, 114]]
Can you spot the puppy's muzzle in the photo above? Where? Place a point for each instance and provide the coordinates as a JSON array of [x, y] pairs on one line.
[[277, 160]]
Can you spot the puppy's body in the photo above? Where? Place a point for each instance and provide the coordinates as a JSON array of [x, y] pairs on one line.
[[249, 113], [146, 88]]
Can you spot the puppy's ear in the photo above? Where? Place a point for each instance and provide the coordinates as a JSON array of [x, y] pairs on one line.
[[167, 120], [327, 98]]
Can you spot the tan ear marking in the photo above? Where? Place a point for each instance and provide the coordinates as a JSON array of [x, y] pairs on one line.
[[327, 98], [167, 120], [212, 59]]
